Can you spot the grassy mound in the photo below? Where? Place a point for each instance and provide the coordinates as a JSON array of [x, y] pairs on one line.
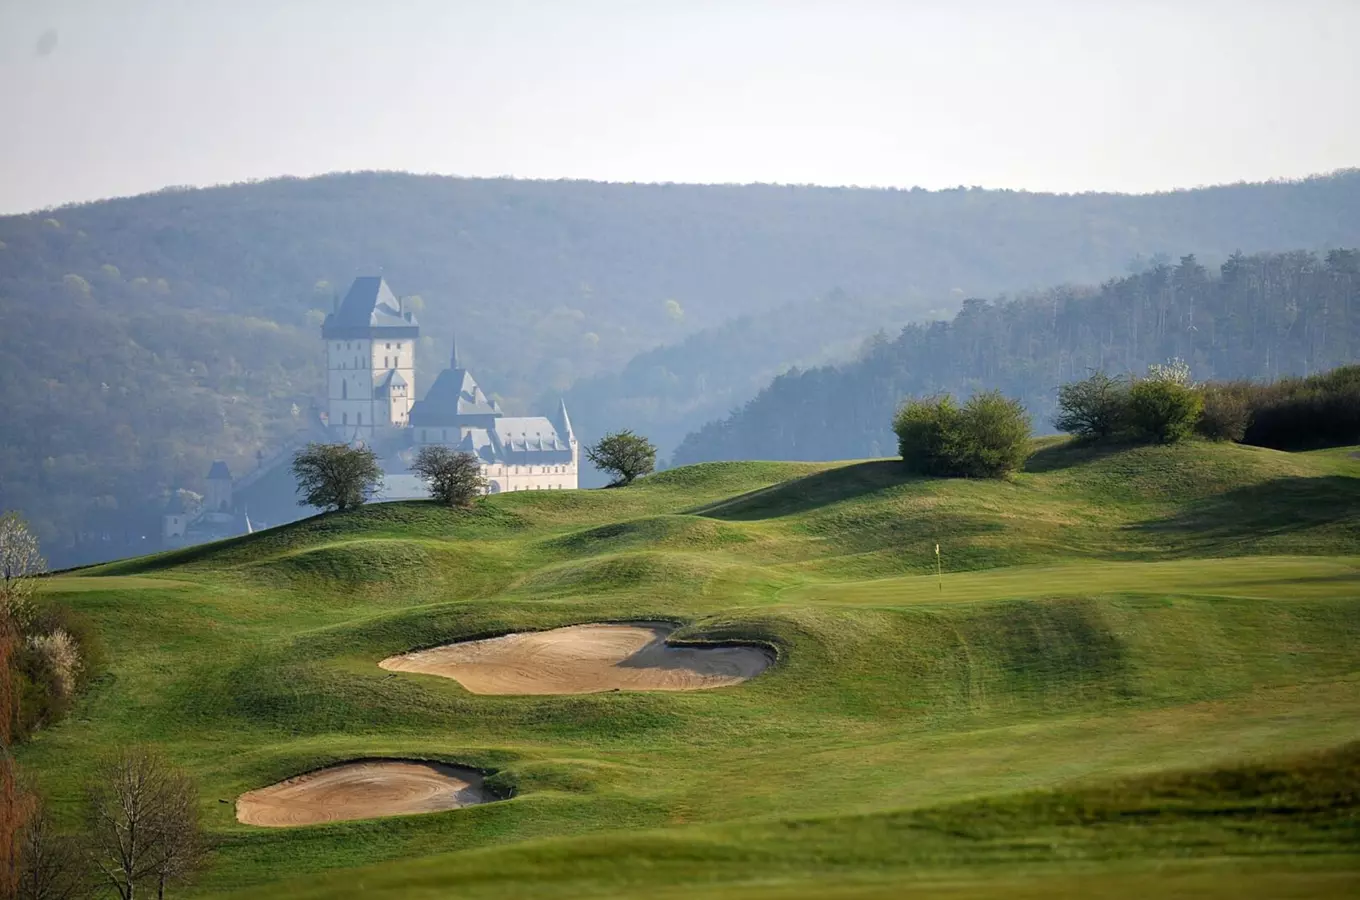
[[1080, 700]]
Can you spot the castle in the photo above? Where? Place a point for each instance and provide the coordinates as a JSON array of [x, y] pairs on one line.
[[371, 387], [370, 400]]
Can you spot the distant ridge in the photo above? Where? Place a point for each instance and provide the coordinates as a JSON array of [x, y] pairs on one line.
[[145, 337]]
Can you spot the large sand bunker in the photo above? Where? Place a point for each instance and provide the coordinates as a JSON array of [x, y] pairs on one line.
[[363, 790], [585, 659]]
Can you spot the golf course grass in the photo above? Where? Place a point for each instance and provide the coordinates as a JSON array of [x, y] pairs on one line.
[[1135, 673]]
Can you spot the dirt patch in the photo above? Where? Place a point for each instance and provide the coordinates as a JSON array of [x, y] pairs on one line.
[[366, 789], [586, 659]]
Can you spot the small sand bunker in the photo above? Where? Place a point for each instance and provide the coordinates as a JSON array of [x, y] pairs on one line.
[[585, 659], [363, 790]]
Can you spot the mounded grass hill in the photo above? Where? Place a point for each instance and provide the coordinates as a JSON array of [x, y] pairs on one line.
[[1139, 675]]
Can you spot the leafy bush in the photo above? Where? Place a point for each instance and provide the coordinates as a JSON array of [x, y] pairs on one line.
[[988, 437], [1164, 410], [1093, 408], [1227, 412], [1305, 413], [925, 429]]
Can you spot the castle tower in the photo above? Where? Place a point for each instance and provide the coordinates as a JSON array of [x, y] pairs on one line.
[[218, 496], [370, 361]]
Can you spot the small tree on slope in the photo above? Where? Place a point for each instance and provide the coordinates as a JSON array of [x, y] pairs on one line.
[[143, 824], [454, 477], [1094, 408], [336, 476], [624, 454], [20, 564]]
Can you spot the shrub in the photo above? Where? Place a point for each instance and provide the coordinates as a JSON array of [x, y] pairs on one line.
[[1093, 408], [995, 435], [1164, 410], [1306, 413], [59, 658], [988, 437], [925, 429], [454, 476], [1227, 411]]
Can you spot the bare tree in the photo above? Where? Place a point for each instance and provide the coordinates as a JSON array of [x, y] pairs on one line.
[[454, 476], [20, 564], [143, 823], [51, 866]]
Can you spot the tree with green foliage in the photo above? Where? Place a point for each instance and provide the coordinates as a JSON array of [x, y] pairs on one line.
[[1164, 410], [988, 437], [454, 477], [1094, 408], [1227, 412], [624, 454], [926, 429], [336, 476]]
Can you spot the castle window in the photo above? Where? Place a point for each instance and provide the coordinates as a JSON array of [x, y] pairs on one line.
[[344, 419], [344, 390]]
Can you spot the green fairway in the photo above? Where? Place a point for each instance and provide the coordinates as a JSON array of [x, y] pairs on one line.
[[1138, 675]]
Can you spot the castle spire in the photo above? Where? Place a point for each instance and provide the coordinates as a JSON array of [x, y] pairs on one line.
[[453, 357]]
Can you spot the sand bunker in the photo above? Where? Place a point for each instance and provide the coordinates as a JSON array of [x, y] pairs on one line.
[[363, 790], [585, 659]]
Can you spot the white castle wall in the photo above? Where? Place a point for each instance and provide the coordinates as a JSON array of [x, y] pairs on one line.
[[353, 368]]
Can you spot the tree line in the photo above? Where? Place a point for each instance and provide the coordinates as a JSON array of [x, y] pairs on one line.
[[145, 337], [1260, 317], [338, 477], [990, 435]]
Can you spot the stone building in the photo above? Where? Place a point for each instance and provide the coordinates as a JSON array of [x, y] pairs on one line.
[[217, 516], [518, 453], [370, 399], [370, 361], [371, 382]]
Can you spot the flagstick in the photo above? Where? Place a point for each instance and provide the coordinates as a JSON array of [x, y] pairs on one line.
[[939, 568]]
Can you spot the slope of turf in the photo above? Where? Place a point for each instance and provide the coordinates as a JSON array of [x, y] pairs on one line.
[[1134, 665]]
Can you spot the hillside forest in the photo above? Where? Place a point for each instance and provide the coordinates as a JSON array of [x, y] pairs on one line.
[[141, 338], [1261, 316]]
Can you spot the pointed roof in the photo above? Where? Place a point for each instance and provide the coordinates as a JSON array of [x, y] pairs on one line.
[[390, 379], [454, 393], [563, 421], [219, 471], [369, 304]]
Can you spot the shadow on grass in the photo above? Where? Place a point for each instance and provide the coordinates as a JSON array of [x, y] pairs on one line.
[[802, 494], [1282, 507], [1065, 454]]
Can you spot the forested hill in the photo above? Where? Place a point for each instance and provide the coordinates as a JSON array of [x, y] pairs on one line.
[[143, 337], [1260, 316]]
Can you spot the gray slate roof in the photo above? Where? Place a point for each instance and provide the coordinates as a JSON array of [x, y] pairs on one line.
[[520, 441], [370, 303], [390, 380], [454, 394], [219, 470]]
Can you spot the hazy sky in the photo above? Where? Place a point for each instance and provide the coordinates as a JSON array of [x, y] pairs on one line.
[[112, 97]]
